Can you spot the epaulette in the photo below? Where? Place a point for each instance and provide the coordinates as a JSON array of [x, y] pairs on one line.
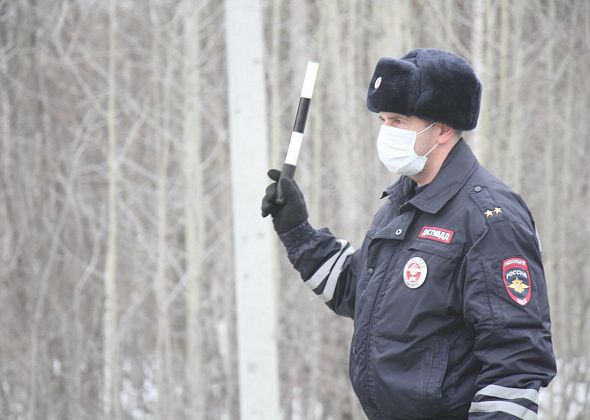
[[490, 208]]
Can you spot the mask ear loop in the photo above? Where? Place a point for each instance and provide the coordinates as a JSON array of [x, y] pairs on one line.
[[433, 147], [426, 128], [436, 144]]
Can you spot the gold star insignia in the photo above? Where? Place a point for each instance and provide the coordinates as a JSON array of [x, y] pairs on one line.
[[498, 210], [518, 285], [488, 213]]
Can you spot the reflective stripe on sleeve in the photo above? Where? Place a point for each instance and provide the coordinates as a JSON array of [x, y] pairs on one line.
[[331, 269], [320, 275], [505, 407], [328, 291], [507, 393]]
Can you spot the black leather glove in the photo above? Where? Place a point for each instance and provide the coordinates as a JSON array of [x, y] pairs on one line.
[[290, 214]]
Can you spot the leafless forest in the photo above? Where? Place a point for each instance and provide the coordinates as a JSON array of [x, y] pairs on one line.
[[117, 294]]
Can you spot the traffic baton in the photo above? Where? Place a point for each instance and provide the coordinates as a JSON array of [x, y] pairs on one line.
[[290, 164]]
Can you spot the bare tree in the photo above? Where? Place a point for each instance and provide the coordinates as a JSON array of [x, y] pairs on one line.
[[110, 357], [193, 210]]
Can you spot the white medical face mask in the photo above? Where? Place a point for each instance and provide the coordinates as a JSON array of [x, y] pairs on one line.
[[396, 150]]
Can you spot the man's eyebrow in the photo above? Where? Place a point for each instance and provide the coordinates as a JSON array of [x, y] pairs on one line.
[[394, 117]]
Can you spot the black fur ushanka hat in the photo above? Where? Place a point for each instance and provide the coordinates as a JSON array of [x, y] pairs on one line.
[[427, 83]]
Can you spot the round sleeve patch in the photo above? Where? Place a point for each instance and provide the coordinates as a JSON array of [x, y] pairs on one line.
[[517, 280]]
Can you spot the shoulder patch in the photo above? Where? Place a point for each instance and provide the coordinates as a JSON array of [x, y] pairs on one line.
[[436, 234], [517, 280]]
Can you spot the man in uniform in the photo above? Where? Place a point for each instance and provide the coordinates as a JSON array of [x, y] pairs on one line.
[[447, 292]]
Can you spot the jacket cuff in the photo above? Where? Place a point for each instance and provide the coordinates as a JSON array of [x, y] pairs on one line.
[[297, 236]]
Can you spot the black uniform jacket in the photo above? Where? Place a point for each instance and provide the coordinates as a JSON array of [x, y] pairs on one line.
[[448, 298]]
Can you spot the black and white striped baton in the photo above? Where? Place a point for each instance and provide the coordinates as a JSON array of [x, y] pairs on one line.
[[290, 164]]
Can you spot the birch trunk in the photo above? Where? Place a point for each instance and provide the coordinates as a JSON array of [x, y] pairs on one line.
[[275, 82], [337, 35], [110, 354], [317, 128], [514, 137], [503, 120], [485, 117], [161, 138], [317, 212], [477, 54], [351, 105], [194, 213], [571, 338], [548, 231], [554, 286]]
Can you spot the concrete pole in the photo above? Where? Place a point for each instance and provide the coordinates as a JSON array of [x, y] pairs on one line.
[[255, 287]]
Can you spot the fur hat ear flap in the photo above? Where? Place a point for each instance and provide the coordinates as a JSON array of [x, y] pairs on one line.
[[392, 86], [428, 83]]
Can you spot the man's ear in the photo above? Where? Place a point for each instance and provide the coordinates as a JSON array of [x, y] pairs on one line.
[[445, 133]]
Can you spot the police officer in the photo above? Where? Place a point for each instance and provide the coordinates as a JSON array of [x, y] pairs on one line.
[[447, 292]]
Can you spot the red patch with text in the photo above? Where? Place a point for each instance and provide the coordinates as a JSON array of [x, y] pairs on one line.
[[517, 280], [436, 234]]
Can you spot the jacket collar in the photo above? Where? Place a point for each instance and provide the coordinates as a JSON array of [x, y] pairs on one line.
[[454, 173]]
